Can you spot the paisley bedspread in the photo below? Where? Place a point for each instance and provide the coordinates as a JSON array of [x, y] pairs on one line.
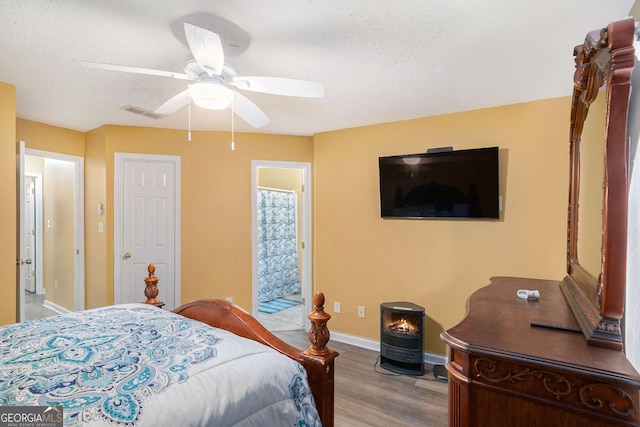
[[137, 365]]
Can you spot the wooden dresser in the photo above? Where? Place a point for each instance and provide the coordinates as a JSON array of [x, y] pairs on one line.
[[505, 372]]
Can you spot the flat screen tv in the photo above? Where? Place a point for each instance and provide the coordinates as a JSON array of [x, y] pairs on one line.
[[453, 184]]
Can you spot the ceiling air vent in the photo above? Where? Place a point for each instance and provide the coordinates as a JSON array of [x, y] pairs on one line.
[[142, 112]]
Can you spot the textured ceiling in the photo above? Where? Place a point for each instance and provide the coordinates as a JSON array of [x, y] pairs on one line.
[[379, 60]]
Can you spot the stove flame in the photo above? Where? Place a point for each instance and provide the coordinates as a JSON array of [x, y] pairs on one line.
[[402, 326]]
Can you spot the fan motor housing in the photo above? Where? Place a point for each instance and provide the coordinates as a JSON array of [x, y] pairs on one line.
[[193, 70]]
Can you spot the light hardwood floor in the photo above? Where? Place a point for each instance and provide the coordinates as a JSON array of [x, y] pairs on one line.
[[368, 395]]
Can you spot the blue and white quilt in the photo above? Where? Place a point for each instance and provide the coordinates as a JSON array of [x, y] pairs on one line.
[[137, 365]]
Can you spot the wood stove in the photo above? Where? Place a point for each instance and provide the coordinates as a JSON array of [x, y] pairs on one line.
[[401, 337]]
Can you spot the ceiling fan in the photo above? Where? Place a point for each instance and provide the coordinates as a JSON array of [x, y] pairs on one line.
[[213, 76]]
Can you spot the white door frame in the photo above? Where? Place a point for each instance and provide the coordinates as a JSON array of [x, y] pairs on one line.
[[118, 200], [78, 273], [306, 276], [20, 240]]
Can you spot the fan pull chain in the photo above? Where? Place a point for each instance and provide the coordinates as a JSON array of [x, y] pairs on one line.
[[233, 144], [189, 107]]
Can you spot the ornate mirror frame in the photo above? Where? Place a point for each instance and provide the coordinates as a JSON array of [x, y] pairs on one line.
[[607, 56]]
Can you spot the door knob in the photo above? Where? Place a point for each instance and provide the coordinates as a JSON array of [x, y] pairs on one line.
[[126, 255]]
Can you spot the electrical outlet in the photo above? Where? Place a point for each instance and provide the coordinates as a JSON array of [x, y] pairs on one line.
[[55, 284], [336, 306], [361, 311]]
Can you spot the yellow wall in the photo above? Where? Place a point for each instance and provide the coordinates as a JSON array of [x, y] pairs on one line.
[[215, 200], [361, 259], [39, 136], [591, 190], [8, 202], [59, 232], [97, 291]]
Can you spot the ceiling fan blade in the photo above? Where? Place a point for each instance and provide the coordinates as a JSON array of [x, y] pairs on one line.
[[174, 104], [248, 111], [280, 86], [136, 70], [206, 48]]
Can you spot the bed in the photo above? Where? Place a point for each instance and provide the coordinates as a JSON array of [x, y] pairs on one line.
[[206, 363]]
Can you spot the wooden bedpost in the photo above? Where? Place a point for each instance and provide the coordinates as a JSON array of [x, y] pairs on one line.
[[320, 380], [151, 289], [318, 359], [318, 333]]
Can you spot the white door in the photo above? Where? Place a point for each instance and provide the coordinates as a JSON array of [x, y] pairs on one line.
[[38, 251], [146, 226], [30, 233]]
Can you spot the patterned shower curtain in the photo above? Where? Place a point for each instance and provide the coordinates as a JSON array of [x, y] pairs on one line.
[[277, 244]]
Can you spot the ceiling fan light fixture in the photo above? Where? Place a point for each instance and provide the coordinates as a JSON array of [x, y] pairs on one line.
[[211, 96]]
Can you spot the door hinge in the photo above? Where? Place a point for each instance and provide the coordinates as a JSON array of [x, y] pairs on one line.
[[302, 245], [302, 301]]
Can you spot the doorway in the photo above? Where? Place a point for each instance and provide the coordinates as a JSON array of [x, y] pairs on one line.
[[281, 215], [51, 234]]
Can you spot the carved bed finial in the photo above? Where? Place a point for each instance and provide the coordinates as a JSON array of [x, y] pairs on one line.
[[151, 290], [318, 333]]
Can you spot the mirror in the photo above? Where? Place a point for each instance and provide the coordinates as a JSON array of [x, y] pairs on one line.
[[596, 297], [591, 194]]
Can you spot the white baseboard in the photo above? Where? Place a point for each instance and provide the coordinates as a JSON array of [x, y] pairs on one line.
[[428, 358], [55, 307]]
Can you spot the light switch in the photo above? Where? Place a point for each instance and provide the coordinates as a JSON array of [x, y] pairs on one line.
[[100, 227]]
